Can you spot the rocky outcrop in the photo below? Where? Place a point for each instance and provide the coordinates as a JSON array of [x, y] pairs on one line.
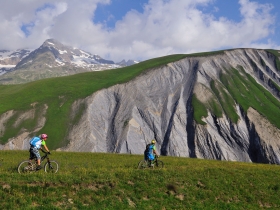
[[158, 104], [22, 141]]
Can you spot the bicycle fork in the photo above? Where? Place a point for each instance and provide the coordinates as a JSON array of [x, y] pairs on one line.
[[49, 164]]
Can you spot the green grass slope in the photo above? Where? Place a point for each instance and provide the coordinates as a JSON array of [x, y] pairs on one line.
[[111, 181], [60, 93]]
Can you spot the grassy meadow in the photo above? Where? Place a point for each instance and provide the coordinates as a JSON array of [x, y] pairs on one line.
[[111, 181]]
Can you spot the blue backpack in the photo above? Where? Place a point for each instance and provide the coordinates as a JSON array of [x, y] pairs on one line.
[[34, 140]]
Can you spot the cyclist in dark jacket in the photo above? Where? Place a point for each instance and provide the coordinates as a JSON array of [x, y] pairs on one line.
[[150, 151]]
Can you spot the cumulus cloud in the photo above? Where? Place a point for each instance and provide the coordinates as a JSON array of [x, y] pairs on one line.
[[164, 27]]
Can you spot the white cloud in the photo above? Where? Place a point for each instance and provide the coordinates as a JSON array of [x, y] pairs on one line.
[[165, 27]]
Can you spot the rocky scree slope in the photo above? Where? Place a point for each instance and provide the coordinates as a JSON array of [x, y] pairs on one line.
[[160, 104]]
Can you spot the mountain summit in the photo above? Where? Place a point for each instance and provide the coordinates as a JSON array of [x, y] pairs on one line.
[[51, 59]]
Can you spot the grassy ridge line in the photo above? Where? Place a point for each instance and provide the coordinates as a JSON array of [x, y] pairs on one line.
[[111, 181], [79, 85], [74, 86]]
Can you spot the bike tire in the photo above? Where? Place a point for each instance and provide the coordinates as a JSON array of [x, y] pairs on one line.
[[25, 167], [51, 167], [158, 164], [142, 164]]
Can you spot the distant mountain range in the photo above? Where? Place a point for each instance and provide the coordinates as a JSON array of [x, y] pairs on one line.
[[51, 59], [9, 59]]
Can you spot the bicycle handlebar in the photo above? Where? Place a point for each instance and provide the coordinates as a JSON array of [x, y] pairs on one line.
[[45, 152]]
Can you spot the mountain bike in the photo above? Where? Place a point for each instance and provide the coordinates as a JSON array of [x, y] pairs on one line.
[[146, 164], [27, 166]]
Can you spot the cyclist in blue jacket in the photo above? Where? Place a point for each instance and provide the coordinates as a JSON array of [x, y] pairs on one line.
[[35, 145]]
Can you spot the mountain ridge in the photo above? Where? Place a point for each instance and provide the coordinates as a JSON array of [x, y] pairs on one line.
[[51, 59]]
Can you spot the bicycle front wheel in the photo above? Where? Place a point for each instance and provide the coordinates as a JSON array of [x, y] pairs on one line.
[[142, 164], [26, 167], [158, 164], [51, 167]]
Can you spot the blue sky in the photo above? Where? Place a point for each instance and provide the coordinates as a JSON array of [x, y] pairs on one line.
[[141, 29]]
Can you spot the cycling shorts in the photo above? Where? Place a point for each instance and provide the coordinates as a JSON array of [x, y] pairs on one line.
[[34, 153], [151, 156]]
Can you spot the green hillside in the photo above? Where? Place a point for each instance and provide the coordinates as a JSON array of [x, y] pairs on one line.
[[111, 181], [59, 94]]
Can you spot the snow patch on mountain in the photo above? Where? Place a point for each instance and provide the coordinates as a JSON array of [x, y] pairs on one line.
[[62, 51], [51, 43]]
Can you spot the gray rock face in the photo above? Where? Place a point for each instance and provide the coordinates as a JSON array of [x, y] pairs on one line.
[[124, 118]]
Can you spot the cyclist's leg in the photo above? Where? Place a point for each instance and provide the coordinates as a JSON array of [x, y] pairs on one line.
[[38, 157], [151, 159], [146, 156], [32, 156]]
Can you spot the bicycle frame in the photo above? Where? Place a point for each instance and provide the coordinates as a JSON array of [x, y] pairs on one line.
[[43, 157], [150, 164]]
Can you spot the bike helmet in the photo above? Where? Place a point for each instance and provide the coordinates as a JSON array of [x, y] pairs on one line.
[[153, 141], [44, 136]]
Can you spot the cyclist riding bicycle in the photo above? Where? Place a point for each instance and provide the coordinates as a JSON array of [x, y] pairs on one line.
[[150, 152], [35, 145]]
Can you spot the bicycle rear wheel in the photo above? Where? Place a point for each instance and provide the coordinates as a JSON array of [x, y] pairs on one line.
[[26, 167], [51, 167], [142, 164], [158, 164]]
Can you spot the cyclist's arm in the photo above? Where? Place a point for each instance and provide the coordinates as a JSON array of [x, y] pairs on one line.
[[154, 150], [45, 146]]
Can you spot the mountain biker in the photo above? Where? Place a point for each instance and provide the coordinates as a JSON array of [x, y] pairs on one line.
[[150, 152], [35, 145]]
